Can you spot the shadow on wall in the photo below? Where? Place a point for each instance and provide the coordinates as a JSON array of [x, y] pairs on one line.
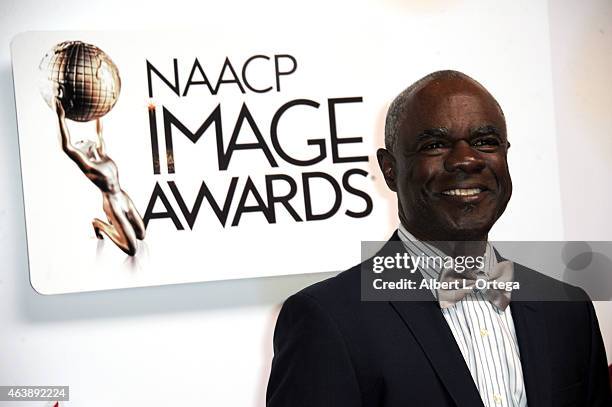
[[161, 299], [588, 269]]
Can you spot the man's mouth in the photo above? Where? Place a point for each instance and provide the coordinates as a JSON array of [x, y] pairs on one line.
[[463, 191]]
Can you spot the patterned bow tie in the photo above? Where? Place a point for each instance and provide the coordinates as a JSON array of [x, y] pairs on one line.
[[462, 284]]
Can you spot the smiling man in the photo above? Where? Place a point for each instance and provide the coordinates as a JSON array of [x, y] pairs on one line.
[[446, 159]]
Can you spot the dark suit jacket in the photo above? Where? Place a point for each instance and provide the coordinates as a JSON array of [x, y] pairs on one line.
[[332, 349]]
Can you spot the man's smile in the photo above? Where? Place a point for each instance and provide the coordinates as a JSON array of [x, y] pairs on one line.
[[465, 193]]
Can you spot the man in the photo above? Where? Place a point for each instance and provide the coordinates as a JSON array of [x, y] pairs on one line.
[[445, 157]]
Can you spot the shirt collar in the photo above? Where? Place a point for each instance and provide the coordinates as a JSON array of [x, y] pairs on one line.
[[417, 247]]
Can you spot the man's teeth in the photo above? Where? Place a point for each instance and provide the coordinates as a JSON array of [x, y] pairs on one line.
[[463, 191]]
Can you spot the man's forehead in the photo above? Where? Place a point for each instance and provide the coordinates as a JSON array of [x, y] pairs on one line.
[[421, 105], [447, 97], [439, 89]]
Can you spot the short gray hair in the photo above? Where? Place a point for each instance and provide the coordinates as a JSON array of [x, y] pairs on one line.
[[397, 109]]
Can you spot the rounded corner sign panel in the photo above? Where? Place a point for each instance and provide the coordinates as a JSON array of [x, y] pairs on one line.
[[160, 157], [146, 164]]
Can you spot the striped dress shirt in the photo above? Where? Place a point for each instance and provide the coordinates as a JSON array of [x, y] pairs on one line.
[[485, 334]]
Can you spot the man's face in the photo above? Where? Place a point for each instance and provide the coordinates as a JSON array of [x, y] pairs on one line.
[[450, 168]]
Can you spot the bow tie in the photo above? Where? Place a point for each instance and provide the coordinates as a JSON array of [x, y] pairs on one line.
[[467, 282]]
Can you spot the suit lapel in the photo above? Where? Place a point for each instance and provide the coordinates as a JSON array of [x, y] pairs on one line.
[[425, 321], [431, 331], [532, 339], [427, 324]]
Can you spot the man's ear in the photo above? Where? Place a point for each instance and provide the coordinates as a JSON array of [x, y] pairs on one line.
[[386, 162]]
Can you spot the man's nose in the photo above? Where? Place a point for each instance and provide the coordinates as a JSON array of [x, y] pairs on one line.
[[463, 157]]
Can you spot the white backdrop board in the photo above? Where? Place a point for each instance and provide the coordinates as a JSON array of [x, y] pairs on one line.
[[278, 133]]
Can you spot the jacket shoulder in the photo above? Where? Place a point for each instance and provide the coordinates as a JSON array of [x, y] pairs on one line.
[[536, 286], [338, 290]]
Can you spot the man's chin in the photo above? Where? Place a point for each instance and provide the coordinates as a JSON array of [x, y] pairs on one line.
[[468, 228]]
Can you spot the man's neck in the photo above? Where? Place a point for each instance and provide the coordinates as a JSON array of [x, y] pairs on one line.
[[454, 248]]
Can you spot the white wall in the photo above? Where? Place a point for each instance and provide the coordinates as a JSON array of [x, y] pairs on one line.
[[210, 344], [581, 46]]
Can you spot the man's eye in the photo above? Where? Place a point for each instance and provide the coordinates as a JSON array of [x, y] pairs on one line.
[[486, 142], [432, 146]]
